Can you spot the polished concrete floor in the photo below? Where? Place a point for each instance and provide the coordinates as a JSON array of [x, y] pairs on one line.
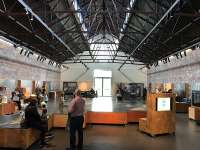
[[108, 137], [102, 104]]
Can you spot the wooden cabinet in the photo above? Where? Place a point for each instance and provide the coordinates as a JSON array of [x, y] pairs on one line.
[[194, 113], [158, 122], [18, 138], [7, 108]]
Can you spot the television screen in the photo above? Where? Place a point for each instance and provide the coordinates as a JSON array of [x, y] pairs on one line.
[[163, 104]]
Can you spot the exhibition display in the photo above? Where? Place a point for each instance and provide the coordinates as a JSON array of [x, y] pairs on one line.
[[161, 117]]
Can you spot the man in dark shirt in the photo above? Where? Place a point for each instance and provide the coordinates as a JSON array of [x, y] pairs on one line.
[[33, 120]]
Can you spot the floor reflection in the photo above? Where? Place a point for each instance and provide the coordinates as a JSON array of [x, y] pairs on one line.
[[102, 104]]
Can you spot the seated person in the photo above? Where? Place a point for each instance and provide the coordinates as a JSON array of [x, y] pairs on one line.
[[33, 120], [15, 97], [44, 118], [169, 91], [178, 98], [46, 99], [119, 95], [92, 91], [21, 94]]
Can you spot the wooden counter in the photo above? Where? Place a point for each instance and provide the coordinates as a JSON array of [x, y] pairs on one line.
[[18, 138], [107, 117], [182, 107], [60, 120], [7, 108], [134, 116]]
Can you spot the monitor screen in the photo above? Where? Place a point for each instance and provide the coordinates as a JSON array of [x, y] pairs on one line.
[[163, 104]]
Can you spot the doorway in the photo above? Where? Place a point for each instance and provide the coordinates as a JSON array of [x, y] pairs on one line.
[[103, 86]]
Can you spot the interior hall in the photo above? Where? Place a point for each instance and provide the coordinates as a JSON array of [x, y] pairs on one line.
[[99, 74]]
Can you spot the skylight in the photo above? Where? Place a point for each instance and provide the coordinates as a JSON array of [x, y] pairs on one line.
[[80, 17], [127, 16], [107, 50]]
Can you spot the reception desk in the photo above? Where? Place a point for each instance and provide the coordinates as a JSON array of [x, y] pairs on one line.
[[7, 108]]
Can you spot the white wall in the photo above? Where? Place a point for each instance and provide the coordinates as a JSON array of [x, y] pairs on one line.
[[76, 73], [14, 66], [177, 71]]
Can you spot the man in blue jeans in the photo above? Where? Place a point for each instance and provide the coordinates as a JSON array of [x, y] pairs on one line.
[[76, 119]]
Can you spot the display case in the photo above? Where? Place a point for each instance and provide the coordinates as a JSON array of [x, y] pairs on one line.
[[69, 88]]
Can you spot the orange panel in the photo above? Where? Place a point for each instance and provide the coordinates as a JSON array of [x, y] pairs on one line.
[[59, 120], [7, 108], [182, 107], [134, 116], [107, 117]]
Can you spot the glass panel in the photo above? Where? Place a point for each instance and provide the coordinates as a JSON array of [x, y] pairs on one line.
[[102, 104], [107, 87], [98, 86], [102, 73]]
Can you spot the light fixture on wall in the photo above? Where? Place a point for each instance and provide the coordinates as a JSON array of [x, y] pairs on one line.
[[147, 66], [156, 64], [176, 55], [185, 53], [26, 11], [181, 55], [31, 17], [168, 59]]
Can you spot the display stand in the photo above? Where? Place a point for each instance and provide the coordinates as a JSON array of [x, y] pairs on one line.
[[7, 108], [159, 121], [169, 87], [194, 113]]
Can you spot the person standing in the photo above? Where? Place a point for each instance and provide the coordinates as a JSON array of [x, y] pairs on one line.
[[61, 103], [76, 119]]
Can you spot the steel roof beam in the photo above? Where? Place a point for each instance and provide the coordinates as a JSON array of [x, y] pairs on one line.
[[49, 29], [157, 24]]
